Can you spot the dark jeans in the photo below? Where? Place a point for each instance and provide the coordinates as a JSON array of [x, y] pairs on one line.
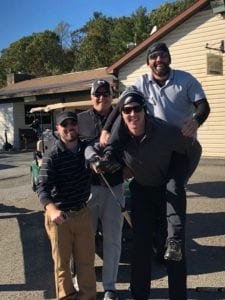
[[181, 168], [147, 205], [176, 215], [176, 196]]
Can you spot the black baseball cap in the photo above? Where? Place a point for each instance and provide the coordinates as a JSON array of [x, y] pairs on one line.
[[65, 115], [101, 82], [158, 47]]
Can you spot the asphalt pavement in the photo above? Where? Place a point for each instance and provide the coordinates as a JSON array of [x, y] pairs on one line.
[[26, 269]]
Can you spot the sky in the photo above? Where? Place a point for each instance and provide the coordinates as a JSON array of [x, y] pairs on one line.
[[20, 18]]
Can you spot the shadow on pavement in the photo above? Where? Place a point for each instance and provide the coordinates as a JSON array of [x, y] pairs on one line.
[[38, 265], [204, 256], [215, 189], [4, 166]]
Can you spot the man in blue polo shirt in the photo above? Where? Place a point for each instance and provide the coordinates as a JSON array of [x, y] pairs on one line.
[[173, 96]]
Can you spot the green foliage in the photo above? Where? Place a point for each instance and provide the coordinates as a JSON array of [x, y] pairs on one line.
[[92, 43], [99, 43], [128, 32], [103, 39], [121, 36], [141, 28], [39, 54], [2, 74], [167, 11]]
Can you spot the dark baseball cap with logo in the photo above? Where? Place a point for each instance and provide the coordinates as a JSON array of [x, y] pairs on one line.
[[99, 83], [65, 115]]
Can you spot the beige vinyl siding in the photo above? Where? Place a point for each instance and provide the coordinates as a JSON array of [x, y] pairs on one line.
[[187, 45]]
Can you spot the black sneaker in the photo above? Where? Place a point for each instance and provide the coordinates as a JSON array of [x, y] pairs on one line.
[[110, 295], [173, 251]]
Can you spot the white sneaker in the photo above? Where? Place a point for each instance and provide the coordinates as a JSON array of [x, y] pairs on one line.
[[75, 283], [110, 295]]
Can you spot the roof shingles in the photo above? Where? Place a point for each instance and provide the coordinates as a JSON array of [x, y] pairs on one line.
[[76, 81]]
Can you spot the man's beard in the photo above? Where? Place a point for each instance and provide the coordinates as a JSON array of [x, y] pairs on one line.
[[71, 137], [161, 71]]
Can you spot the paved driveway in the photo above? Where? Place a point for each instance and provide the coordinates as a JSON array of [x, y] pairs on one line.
[[25, 258]]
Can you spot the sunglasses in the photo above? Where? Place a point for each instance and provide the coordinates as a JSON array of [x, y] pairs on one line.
[[162, 54], [127, 110], [68, 123], [103, 94]]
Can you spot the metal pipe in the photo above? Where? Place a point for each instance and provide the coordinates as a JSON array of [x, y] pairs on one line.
[[57, 261]]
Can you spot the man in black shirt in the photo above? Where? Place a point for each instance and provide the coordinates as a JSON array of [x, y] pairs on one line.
[[147, 151], [102, 204], [64, 188]]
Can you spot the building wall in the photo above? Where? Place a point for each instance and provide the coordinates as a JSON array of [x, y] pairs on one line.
[[6, 123], [12, 119], [19, 123], [187, 45]]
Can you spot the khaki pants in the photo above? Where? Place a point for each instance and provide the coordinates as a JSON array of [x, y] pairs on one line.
[[75, 237]]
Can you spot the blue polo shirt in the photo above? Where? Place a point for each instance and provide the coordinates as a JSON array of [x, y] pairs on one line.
[[174, 101]]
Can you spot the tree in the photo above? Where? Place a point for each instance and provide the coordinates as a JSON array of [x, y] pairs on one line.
[[63, 31], [92, 43], [2, 74], [122, 36], [39, 54], [167, 11], [141, 24], [45, 55]]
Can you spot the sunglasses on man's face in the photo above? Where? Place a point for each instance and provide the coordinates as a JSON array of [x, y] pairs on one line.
[[68, 123], [103, 94], [127, 110], [161, 54]]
